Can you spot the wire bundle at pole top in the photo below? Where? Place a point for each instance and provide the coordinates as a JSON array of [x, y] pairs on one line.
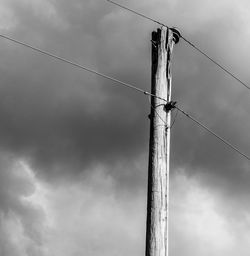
[[187, 41]]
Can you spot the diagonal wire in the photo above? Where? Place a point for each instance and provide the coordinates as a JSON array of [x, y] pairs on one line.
[[138, 13], [175, 117], [165, 122], [123, 84], [187, 41], [213, 133], [81, 67], [215, 62], [154, 109]]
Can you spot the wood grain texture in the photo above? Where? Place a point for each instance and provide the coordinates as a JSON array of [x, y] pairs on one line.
[[158, 174]]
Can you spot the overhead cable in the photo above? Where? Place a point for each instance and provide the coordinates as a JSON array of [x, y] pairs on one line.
[[212, 132], [215, 62], [138, 13], [81, 67], [186, 40], [125, 85]]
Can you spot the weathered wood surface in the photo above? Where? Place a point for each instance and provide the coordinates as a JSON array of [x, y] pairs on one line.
[[158, 176]]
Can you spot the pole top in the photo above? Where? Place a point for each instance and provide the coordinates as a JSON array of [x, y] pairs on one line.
[[176, 34]]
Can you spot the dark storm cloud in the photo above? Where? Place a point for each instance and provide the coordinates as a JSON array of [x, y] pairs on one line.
[[66, 121], [222, 104], [54, 131], [59, 118]]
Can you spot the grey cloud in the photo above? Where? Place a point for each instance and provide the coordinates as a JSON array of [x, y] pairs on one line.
[[46, 106], [18, 218], [52, 115], [65, 122]]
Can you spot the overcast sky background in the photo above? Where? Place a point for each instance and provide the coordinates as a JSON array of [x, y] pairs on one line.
[[74, 147]]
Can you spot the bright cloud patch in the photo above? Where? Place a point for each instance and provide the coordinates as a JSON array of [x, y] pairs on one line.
[[88, 217], [198, 226], [21, 222], [7, 17], [84, 217]]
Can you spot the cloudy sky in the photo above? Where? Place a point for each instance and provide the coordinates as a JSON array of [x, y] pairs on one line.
[[74, 147]]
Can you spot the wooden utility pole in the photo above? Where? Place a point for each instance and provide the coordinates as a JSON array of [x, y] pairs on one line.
[[159, 148]]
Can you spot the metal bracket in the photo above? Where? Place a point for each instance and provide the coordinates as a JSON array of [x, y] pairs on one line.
[[176, 35], [169, 106]]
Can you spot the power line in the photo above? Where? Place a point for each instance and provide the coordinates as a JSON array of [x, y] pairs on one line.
[[164, 122], [172, 105], [123, 84], [137, 13], [81, 67], [186, 40], [151, 105], [175, 117], [215, 62], [212, 132]]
